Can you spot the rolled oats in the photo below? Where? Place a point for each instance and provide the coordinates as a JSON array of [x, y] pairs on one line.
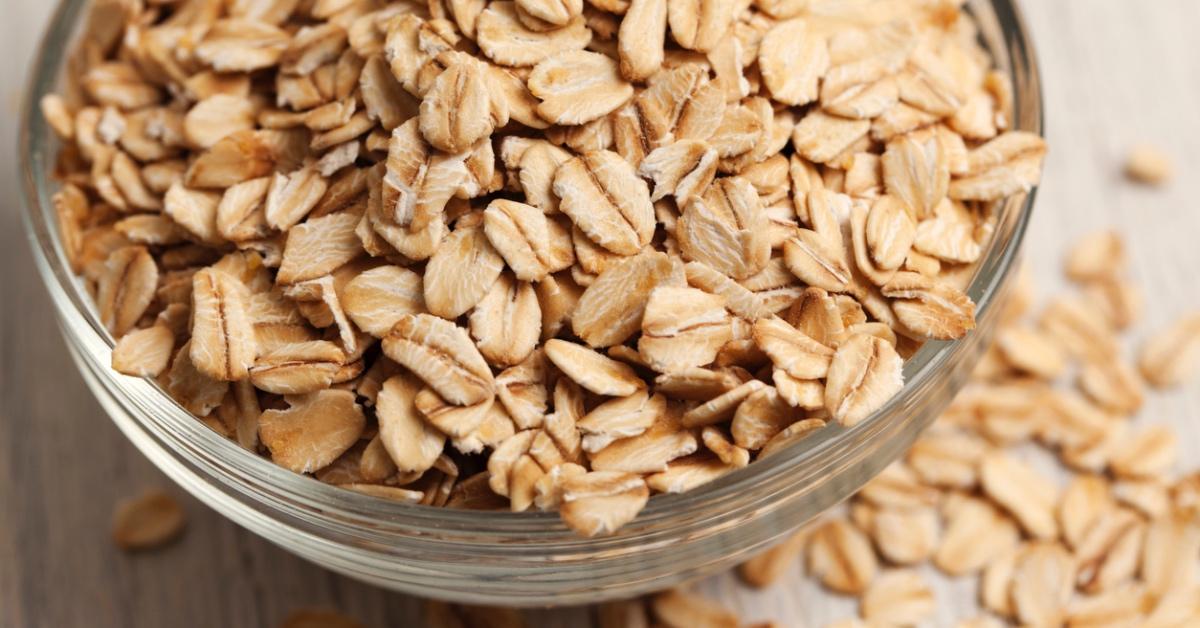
[[1148, 164], [148, 521], [314, 430], [863, 375], [767, 567], [144, 352], [706, 245], [602, 501], [679, 609], [442, 355], [898, 598], [577, 87], [840, 555], [1042, 581], [1020, 490], [1172, 355]]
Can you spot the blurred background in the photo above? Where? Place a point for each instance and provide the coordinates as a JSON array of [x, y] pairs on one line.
[[1116, 73]]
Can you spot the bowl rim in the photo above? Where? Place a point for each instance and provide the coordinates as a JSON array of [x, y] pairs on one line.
[[356, 513]]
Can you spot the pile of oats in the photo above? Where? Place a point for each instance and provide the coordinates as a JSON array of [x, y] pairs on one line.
[[1116, 544], [529, 254]]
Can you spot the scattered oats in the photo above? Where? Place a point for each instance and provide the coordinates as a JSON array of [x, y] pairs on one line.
[[1172, 355], [1042, 580], [678, 609], [1148, 164], [1148, 454], [898, 598], [1109, 553], [905, 536], [767, 567], [1096, 256], [898, 487], [148, 521], [1022, 491], [1169, 553], [1082, 503], [1032, 351], [840, 555], [976, 534], [1115, 386], [319, 618]]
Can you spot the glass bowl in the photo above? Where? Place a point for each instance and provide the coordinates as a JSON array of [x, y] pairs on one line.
[[518, 558]]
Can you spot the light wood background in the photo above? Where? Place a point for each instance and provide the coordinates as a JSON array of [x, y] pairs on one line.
[[1116, 72]]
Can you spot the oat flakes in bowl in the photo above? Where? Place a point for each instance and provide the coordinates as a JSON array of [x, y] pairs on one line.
[[499, 256]]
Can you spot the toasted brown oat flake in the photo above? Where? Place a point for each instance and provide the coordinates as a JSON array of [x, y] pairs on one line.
[[144, 352], [125, 288], [319, 618], [223, 344], [148, 521], [313, 431]]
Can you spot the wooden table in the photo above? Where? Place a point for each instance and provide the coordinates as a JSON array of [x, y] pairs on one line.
[[1115, 72]]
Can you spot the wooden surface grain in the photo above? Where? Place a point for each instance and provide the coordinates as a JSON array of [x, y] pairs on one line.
[[1115, 73]]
